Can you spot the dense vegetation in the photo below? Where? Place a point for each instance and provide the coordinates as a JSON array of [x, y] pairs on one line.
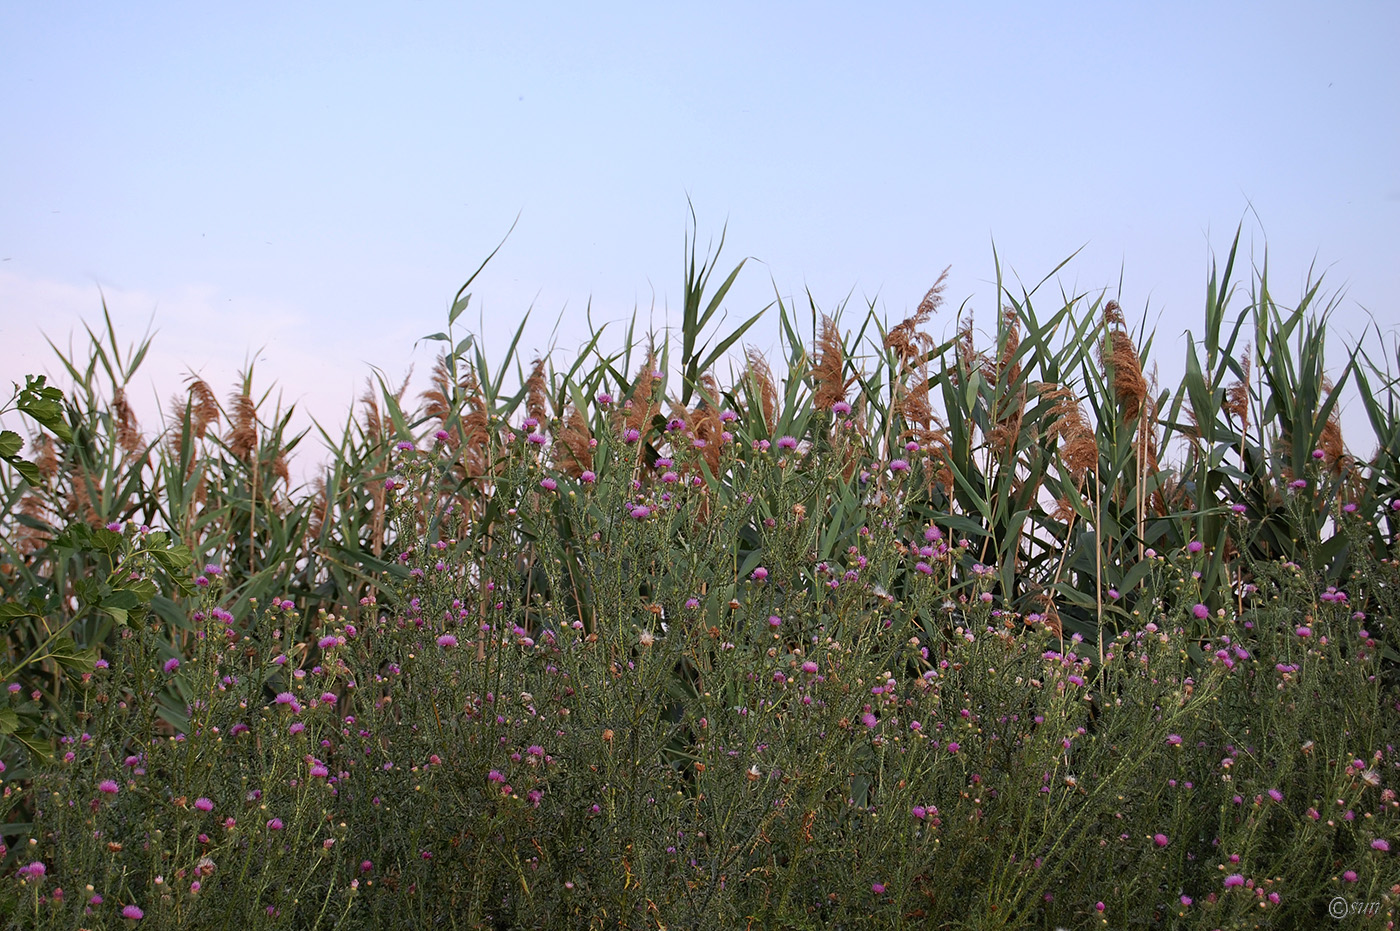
[[914, 633]]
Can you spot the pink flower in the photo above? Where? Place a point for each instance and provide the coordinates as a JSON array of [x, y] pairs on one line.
[[107, 785], [203, 804], [548, 484], [447, 641], [588, 477], [877, 888], [953, 746], [1195, 546], [899, 465], [1160, 840], [1349, 876], [132, 912], [1304, 632], [760, 573], [641, 512], [1234, 879], [1174, 739], [274, 824], [172, 664], [1382, 845], [1201, 612]]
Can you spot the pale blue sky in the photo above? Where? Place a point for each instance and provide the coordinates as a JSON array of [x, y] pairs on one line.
[[315, 181]]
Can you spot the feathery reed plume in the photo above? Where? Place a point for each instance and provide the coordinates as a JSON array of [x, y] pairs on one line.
[[439, 394], [969, 358], [320, 509], [1007, 430], [828, 374], [1119, 356], [641, 407], [536, 392], [760, 375], [573, 449], [1237, 395], [243, 423], [82, 489], [1334, 452], [124, 423], [706, 424], [45, 457], [907, 338], [475, 428], [27, 537], [204, 406], [1078, 447]]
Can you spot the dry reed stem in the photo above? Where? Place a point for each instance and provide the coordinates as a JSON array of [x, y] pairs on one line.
[[760, 375]]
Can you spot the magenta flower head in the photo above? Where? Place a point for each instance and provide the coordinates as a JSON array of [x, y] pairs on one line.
[[447, 641], [588, 477], [1234, 879], [877, 888], [133, 913], [760, 573], [1195, 546], [109, 786], [953, 746], [172, 664], [274, 824], [899, 465], [631, 435], [1304, 632], [840, 408], [548, 484], [1174, 739], [1201, 612], [809, 667], [1238, 508], [1382, 845], [641, 512], [787, 442], [203, 804], [1161, 840], [441, 436]]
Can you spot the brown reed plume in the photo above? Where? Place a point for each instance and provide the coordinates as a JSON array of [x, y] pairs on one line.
[[707, 425], [1007, 371], [1078, 447], [828, 374], [243, 426], [639, 410], [762, 376], [537, 392], [1119, 356], [45, 457], [1237, 395], [128, 431], [573, 448], [907, 338]]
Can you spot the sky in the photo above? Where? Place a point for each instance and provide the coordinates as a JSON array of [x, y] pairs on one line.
[[304, 187]]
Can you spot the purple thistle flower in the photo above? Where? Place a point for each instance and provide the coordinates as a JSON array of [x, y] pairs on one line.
[[899, 465], [1380, 844], [203, 804], [1201, 612], [1234, 879], [108, 786], [447, 641], [760, 573], [133, 913], [274, 824], [172, 664]]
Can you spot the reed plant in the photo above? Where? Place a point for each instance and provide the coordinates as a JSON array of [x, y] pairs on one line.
[[912, 633]]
